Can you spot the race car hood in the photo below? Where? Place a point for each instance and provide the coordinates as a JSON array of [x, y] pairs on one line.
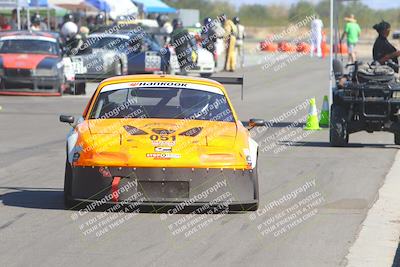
[[146, 131], [24, 61], [165, 142]]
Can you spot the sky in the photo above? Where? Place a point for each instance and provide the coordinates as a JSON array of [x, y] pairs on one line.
[[376, 4]]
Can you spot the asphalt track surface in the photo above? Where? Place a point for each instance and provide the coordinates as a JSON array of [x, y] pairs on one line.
[[339, 185]]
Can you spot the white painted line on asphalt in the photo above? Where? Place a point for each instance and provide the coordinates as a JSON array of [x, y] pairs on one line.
[[378, 239]]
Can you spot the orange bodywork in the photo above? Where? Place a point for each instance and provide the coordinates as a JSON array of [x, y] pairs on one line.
[[105, 142]]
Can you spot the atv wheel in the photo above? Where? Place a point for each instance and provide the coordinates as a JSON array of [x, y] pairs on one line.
[[338, 134], [397, 138], [68, 203]]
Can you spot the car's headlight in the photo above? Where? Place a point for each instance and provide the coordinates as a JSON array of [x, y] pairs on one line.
[[396, 94], [44, 72]]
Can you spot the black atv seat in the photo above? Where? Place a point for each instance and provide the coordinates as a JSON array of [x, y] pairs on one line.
[[375, 73]]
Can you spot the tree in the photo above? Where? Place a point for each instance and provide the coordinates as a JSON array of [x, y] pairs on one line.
[[299, 11]]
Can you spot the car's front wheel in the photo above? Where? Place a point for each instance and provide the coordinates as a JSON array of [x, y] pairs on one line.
[[338, 132]]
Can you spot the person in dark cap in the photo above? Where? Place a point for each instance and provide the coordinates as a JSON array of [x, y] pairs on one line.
[[184, 45], [383, 50], [14, 19]]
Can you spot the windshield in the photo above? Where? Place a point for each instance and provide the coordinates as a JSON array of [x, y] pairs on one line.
[[163, 103], [105, 42], [29, 47], [113, 43]]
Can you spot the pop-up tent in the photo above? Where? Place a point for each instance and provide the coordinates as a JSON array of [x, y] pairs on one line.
[[101, 5], [153, 6], [114, 8], [39, 3]]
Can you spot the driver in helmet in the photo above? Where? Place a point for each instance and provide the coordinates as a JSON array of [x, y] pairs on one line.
[[72, 40]]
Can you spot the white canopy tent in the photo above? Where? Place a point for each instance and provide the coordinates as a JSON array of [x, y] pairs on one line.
[[121, 8]]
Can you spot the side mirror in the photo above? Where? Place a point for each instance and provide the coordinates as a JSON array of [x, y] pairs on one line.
[[256, 123], [67, 119]]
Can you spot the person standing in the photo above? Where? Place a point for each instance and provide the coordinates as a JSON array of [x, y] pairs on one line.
[[37, 23], [4, 26], [230, 40], [209, 38], [352, 30], [316, 36], [184, 45], [165, 28], [241, 34], [14, 20]]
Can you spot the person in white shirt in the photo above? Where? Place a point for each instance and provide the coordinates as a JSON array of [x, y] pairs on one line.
[[241, 34], [165, 28], [316, 36]]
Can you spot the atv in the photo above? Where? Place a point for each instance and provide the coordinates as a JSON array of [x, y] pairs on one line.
[[365, 99]]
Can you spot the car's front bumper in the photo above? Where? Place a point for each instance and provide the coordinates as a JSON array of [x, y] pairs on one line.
[[166, 187], [33, 82]]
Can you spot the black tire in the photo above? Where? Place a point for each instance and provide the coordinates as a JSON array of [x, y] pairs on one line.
[[397, 138], [256, 192], [338, 133], [205, 75], [256, 189], [80, 88], [68, 203]]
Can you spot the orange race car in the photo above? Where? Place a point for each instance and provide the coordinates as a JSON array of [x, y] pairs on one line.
[[163, 141]]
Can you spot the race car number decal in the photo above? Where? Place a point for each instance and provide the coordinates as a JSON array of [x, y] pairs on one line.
[[162, 138], [152, 62], [78, 67]]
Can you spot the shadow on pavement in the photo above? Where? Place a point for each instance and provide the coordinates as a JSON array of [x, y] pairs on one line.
[[270, 124], [34, 198], [53, 199], [327, 144], [286, 124]]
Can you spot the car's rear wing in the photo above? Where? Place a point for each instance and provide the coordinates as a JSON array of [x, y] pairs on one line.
[[230, 80]]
